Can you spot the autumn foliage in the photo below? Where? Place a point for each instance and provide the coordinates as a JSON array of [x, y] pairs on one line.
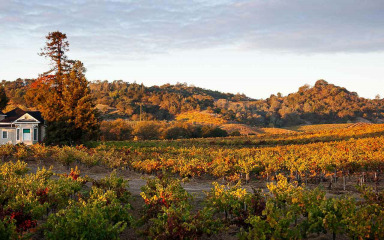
[[63, 96]]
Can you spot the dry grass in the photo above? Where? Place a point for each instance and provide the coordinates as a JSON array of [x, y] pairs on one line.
[[203, 117]]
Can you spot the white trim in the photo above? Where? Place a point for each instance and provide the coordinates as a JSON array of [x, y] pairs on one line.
[[2, 134], [37, 134], [6, 123], [37, 121], [24, 122], [30, 133], [18, 136]]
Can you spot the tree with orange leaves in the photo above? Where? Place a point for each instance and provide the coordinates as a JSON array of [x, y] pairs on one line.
[[62, 95]]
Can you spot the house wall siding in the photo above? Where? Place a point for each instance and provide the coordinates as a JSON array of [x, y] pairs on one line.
[[11, 136], [27, 126], [41, 133], [19, 119], [12, 133]]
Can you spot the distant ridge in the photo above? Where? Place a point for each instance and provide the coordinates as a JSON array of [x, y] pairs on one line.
[[319, 104]]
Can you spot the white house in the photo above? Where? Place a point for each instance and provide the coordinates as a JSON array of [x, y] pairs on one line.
[[19, 126]]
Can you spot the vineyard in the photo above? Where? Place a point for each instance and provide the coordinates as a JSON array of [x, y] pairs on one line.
[[312, 184], [321, 127]]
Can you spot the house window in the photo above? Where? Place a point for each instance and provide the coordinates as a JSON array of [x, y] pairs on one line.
[[18, 134], [5, 134], [35, 136], [27, 134]]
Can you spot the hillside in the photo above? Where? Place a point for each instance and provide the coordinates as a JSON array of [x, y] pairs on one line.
[[322, 103]]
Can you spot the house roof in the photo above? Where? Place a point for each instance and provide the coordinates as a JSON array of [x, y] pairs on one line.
[[6, 126], [16, 113], [13, 115], [37, 115]]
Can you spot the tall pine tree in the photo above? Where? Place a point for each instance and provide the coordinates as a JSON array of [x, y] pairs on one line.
[[55, 49], [3, 98], [45, 92], [63, 96]]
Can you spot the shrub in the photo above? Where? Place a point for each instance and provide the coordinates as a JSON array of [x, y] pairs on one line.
[[116, 130], [195, 131], [147, 130], [162, 192], [176, 133], [7, 228], [169, 213], [235, 202], [7, 151], [67, 155], [40, 151], [179, 222], [208, 131], [116, 184], [22, 152], [102, 216], [235, 133]]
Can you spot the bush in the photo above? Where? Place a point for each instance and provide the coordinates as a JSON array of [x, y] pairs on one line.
[[22, 151], [116, 130], [7, 151], [147, 130], [235, 133], [169, 212], [162, 192], [40, 151], [235, 202], [67, 155], [176, 133], [116, 184], [195, 131], [208, 131], [179, 222], [102, 216], [7, 229]]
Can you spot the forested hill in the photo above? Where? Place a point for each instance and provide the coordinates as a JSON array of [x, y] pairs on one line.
[[322, 103]]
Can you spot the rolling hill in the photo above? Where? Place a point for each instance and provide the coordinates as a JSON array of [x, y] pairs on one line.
[[319, 104]]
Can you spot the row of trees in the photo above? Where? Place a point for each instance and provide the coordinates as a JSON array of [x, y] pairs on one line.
[[161, 103], [119, 129]]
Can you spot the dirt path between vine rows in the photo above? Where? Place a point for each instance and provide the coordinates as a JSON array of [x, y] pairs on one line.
[[196, 186]]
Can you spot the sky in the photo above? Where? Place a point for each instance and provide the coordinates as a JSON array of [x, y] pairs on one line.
[[255, 47]]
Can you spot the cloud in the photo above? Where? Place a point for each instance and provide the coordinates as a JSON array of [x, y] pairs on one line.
[[136, 27]]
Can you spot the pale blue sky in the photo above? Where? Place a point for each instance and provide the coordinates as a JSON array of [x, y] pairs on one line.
[[256, 47]]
